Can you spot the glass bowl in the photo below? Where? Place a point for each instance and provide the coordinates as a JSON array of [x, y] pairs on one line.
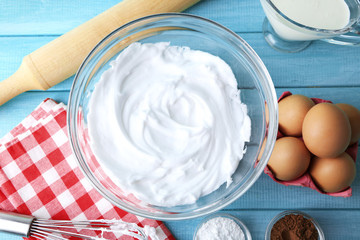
[[197, 33], [242, 226], [283, 214]]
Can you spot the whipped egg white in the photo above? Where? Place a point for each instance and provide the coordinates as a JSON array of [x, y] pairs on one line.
[[166, 123]]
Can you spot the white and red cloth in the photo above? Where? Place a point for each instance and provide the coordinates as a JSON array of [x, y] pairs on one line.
[[39, 175]]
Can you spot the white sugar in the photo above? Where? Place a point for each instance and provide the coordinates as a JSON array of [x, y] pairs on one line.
[[220, 228]]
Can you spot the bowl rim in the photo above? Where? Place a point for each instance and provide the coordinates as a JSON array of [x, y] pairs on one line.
[[269, 94], [296, 212]]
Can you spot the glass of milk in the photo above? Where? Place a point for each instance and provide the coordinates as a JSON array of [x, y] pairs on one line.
[[291, 25]]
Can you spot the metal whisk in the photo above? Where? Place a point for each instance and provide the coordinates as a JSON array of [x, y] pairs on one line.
[[29, 226]]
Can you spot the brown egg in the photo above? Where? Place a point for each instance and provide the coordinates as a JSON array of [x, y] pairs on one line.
[[354, 117], [326, 130], [292, 111], [290, 159], [333, 174]]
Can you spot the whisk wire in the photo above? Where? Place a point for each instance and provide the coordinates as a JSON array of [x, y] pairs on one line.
[[71, 224], [47, 236], [29, 226], [52, 229], [64, 227]]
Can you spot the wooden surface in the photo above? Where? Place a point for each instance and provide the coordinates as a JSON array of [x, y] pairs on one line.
[[322, 70], [60, 59]]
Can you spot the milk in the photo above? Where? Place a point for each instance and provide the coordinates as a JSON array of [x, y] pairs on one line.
[[321, 14]]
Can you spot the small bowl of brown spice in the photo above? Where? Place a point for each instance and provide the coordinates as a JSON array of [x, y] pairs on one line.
[[293, 225]]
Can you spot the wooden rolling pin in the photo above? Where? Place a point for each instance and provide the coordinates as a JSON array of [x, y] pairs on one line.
[[60, 59]]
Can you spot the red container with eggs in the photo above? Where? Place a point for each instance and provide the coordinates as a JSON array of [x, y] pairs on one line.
[[305, 180]]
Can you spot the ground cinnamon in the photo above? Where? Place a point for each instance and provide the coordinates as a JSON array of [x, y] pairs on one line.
[[294, 227]]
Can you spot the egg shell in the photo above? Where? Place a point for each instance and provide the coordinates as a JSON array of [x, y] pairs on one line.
[[354, 117], [290, 159], [292, 111], [333, 174], [326, 130]]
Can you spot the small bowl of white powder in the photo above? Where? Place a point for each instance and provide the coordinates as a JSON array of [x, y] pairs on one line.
[[222, 226]]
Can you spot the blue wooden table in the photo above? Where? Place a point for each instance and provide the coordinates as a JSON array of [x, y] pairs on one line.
[[322, 70]]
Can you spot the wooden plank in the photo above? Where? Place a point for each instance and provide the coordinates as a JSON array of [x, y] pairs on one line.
[[321, 65], [12, 51], [14, 111], [265, 193], [335, 224], [350, 95], [9, 236], [18, 108], [47, 17], [322, 70], [24, 17]]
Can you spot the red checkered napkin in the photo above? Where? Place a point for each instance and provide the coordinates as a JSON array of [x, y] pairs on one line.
[[39, 175]]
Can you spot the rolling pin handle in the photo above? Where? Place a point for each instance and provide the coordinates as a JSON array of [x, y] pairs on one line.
[[60, 58], [21, 81]]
